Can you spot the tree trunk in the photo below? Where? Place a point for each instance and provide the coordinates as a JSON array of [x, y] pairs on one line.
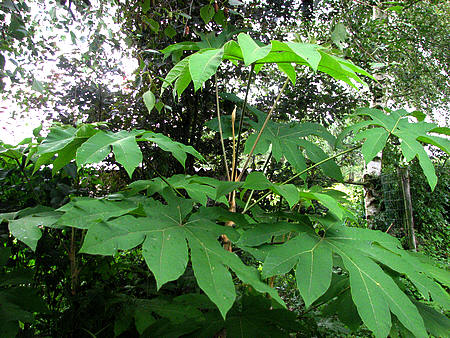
[[372, 171]]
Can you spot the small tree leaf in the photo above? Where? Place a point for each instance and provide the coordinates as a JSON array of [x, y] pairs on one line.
[[207, 13], [149, 100], [38, 86], [339, 35]]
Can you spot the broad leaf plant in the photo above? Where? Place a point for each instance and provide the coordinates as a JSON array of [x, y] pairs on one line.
[[201, 220]]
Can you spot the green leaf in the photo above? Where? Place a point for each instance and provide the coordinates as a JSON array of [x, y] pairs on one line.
[[170, 32], [436, 323], [409, 133], [345, 309], [143, 318], [152, 24], [375, 141], [212, 276], [179, 47], [410, 147], [175, 73], [257, 181], [440, 142], [84, 213], [379, 118], [203, 65], [339, 35], [146, 6], [339, 70], [250, 49], [316, 154], [420, 116], [123, 144], [428, 168], [5, 253], [441, 130], [313, 271], [38, 86], [289, 70], [366, 293], [288, 191], [373, 291], [164, 232], [27, 229], [73, 37], [178, 150], [207, 13], [57, 139], [263, 232], [122, 233], [308, 52], [149, 100], [286, 140], [183, 81], [164, 248]]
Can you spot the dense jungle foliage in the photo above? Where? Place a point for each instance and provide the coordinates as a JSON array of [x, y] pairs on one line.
[[213, 191]]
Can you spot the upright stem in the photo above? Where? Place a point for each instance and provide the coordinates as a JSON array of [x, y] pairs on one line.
[[220, 130], [262, 129], [241, 119], [233, 162], [73, 264]]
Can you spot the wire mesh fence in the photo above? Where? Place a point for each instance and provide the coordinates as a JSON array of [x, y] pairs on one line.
[[394, 207]]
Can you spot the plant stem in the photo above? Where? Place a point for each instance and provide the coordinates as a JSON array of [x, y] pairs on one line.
[[262, 129], [220, 130], [241, 119], [233, 162], [303, 172], [165, 180]]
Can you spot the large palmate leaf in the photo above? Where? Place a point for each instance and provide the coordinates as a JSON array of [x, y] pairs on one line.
[[203, 65], [89, 145], [198, 188], [60, 146], [251, 52], [293, 195], [26, 224], [258, 181], [373, 291], [18, 306], [200, 66], [410, 134], [124, 146], [165, 234], [178, 150], [288, 140], [57, 139], [84, 213]]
